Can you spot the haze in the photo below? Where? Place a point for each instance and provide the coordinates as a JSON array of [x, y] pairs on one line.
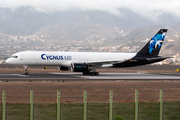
[[151, 9]]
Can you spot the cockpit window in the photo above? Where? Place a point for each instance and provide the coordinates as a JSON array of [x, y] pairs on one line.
[[14, 56]]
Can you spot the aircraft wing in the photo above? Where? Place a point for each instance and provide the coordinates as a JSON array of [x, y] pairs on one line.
[[102, 62]]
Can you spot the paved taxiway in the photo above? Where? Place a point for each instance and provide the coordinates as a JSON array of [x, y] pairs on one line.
[[149, 67], [80, 77]]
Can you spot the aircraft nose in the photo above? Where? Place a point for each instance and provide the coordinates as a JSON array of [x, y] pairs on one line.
[[8, 61]]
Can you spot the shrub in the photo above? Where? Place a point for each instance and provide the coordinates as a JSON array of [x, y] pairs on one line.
[[118, 117]]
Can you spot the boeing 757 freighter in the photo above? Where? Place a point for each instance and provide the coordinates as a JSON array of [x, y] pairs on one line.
[[87, 62]]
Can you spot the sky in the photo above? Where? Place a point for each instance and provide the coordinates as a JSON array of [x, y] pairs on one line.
[[150, 9]]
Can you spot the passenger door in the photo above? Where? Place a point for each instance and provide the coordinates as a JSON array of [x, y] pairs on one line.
[[21, 56]]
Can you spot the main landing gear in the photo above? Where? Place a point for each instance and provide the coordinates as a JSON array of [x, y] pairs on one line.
[[94, 73], [91, 73], [25, 68]]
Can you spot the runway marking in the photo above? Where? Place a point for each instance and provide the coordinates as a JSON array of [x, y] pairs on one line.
[[66, 74], [133, 76], [20, 75], [124, 76], [40, 79], [79, 76]]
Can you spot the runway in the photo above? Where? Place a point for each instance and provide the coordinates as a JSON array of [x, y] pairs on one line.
[[80, 77]]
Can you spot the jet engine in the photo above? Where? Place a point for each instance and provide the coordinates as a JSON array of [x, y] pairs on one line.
[[79, 67]]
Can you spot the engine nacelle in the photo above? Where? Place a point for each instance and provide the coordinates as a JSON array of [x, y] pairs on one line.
[[79, 67], [63, 68]]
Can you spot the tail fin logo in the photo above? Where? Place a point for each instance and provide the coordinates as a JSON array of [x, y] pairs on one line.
[[156, 41]]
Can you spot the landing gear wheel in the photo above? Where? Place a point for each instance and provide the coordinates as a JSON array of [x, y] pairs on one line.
[[88, 73], [84, 73], [96, 73], [25, 69], [92, 73], [26, 73]]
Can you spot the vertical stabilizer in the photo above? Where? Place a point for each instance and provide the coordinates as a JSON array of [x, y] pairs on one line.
[[154, 45]]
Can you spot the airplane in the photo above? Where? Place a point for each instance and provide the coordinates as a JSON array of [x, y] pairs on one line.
[[87, 62]]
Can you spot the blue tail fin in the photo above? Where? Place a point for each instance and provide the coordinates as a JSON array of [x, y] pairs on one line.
[[154, 45]]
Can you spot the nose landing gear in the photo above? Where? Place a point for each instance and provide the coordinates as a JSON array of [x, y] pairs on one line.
[[25, 69]]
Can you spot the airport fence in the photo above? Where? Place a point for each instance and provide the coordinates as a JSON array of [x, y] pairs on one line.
[[90, 111]]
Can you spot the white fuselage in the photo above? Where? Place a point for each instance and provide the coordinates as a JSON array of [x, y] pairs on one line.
[[45, 58]]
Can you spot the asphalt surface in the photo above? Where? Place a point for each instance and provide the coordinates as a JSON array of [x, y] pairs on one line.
[[102, 77], [152, 67], [80, 77]]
